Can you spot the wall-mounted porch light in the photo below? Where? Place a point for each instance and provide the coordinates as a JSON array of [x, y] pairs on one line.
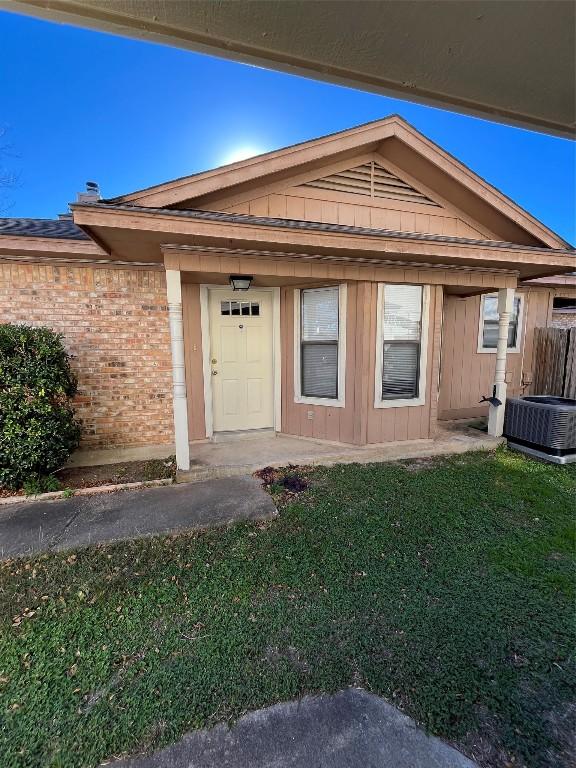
[[240, 282]]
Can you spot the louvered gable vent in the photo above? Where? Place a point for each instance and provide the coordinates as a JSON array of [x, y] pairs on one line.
[[371, 180]]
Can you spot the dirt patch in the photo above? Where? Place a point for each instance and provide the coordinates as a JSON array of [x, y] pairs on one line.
[[284, 482], [4, 493], [288, 655], [268, 475], [562, 723], [484, 745], [110, 474], [294, 483], [417, 465]]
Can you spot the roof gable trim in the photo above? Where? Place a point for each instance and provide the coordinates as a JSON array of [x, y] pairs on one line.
[[367, 137], [216, 179], [461, 173]]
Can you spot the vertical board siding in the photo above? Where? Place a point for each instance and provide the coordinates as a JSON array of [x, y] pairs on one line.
[[361, 371], [466, 374], [436, 360], [193, 358], [413, 422], [327, 422], [359, 422], [308, 205]]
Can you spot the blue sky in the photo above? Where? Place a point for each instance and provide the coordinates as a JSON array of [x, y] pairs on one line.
[[81, 105]]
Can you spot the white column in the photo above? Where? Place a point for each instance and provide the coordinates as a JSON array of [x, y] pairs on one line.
[[180, 403], [496, 412]]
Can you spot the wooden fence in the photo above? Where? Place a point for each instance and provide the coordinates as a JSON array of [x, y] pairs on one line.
[[555, 362]]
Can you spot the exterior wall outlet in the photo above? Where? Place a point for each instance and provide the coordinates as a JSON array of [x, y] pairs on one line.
[[310, 415]]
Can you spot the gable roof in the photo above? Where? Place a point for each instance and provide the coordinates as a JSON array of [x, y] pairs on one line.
[[61, 229], [184, 192]]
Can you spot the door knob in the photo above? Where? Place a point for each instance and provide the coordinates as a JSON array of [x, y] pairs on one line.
[[214, 373]]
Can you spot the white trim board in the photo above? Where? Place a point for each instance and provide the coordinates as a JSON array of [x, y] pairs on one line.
[[207, 368]]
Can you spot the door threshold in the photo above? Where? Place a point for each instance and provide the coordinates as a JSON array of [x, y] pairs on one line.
[[242, 434]]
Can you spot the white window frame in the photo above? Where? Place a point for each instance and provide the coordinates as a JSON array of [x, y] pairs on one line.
[[379, 401], [519, 329], [340, 401]]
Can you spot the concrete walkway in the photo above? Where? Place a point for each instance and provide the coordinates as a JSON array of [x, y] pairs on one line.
[[351, 729], [244, 455], [42, 526]]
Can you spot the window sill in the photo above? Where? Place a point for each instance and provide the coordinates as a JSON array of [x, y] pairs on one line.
[[325, 401], [509, 351], [407, 403]]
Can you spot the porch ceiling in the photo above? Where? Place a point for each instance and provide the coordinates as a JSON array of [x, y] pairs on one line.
[[136, 234], [506, 61]]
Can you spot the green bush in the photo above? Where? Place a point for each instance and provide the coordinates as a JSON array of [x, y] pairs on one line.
[[38, 431], [35, 485]]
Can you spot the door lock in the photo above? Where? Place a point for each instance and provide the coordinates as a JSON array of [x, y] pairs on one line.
[[213, 361]]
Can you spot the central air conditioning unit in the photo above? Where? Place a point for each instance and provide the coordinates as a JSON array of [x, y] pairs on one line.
[[543, 426]]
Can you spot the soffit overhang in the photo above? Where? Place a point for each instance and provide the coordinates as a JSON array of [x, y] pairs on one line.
[[30, 247], [567, 281], [504, 61], [138, 233]]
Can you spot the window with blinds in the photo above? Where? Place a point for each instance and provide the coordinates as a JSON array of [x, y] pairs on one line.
[[401, 340], [490, 320], [319, 333]]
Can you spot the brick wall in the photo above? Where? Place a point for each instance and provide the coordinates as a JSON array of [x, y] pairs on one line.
[[563, 319], [115, 326]]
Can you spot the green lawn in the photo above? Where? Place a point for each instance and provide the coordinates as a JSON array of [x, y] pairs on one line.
[[446, 586]]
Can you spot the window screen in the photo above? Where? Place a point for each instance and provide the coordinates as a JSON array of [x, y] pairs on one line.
[[402, 331], [490, 323], [319, 328]]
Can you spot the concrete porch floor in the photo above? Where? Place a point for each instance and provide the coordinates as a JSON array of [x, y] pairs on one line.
[[242, 456]]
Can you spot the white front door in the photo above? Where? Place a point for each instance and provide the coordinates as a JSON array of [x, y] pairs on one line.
[[241, 359]]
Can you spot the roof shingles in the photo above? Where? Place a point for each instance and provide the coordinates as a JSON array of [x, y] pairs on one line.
[[61, 229]]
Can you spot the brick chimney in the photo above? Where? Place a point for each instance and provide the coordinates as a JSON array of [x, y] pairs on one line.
[[92, 193]]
